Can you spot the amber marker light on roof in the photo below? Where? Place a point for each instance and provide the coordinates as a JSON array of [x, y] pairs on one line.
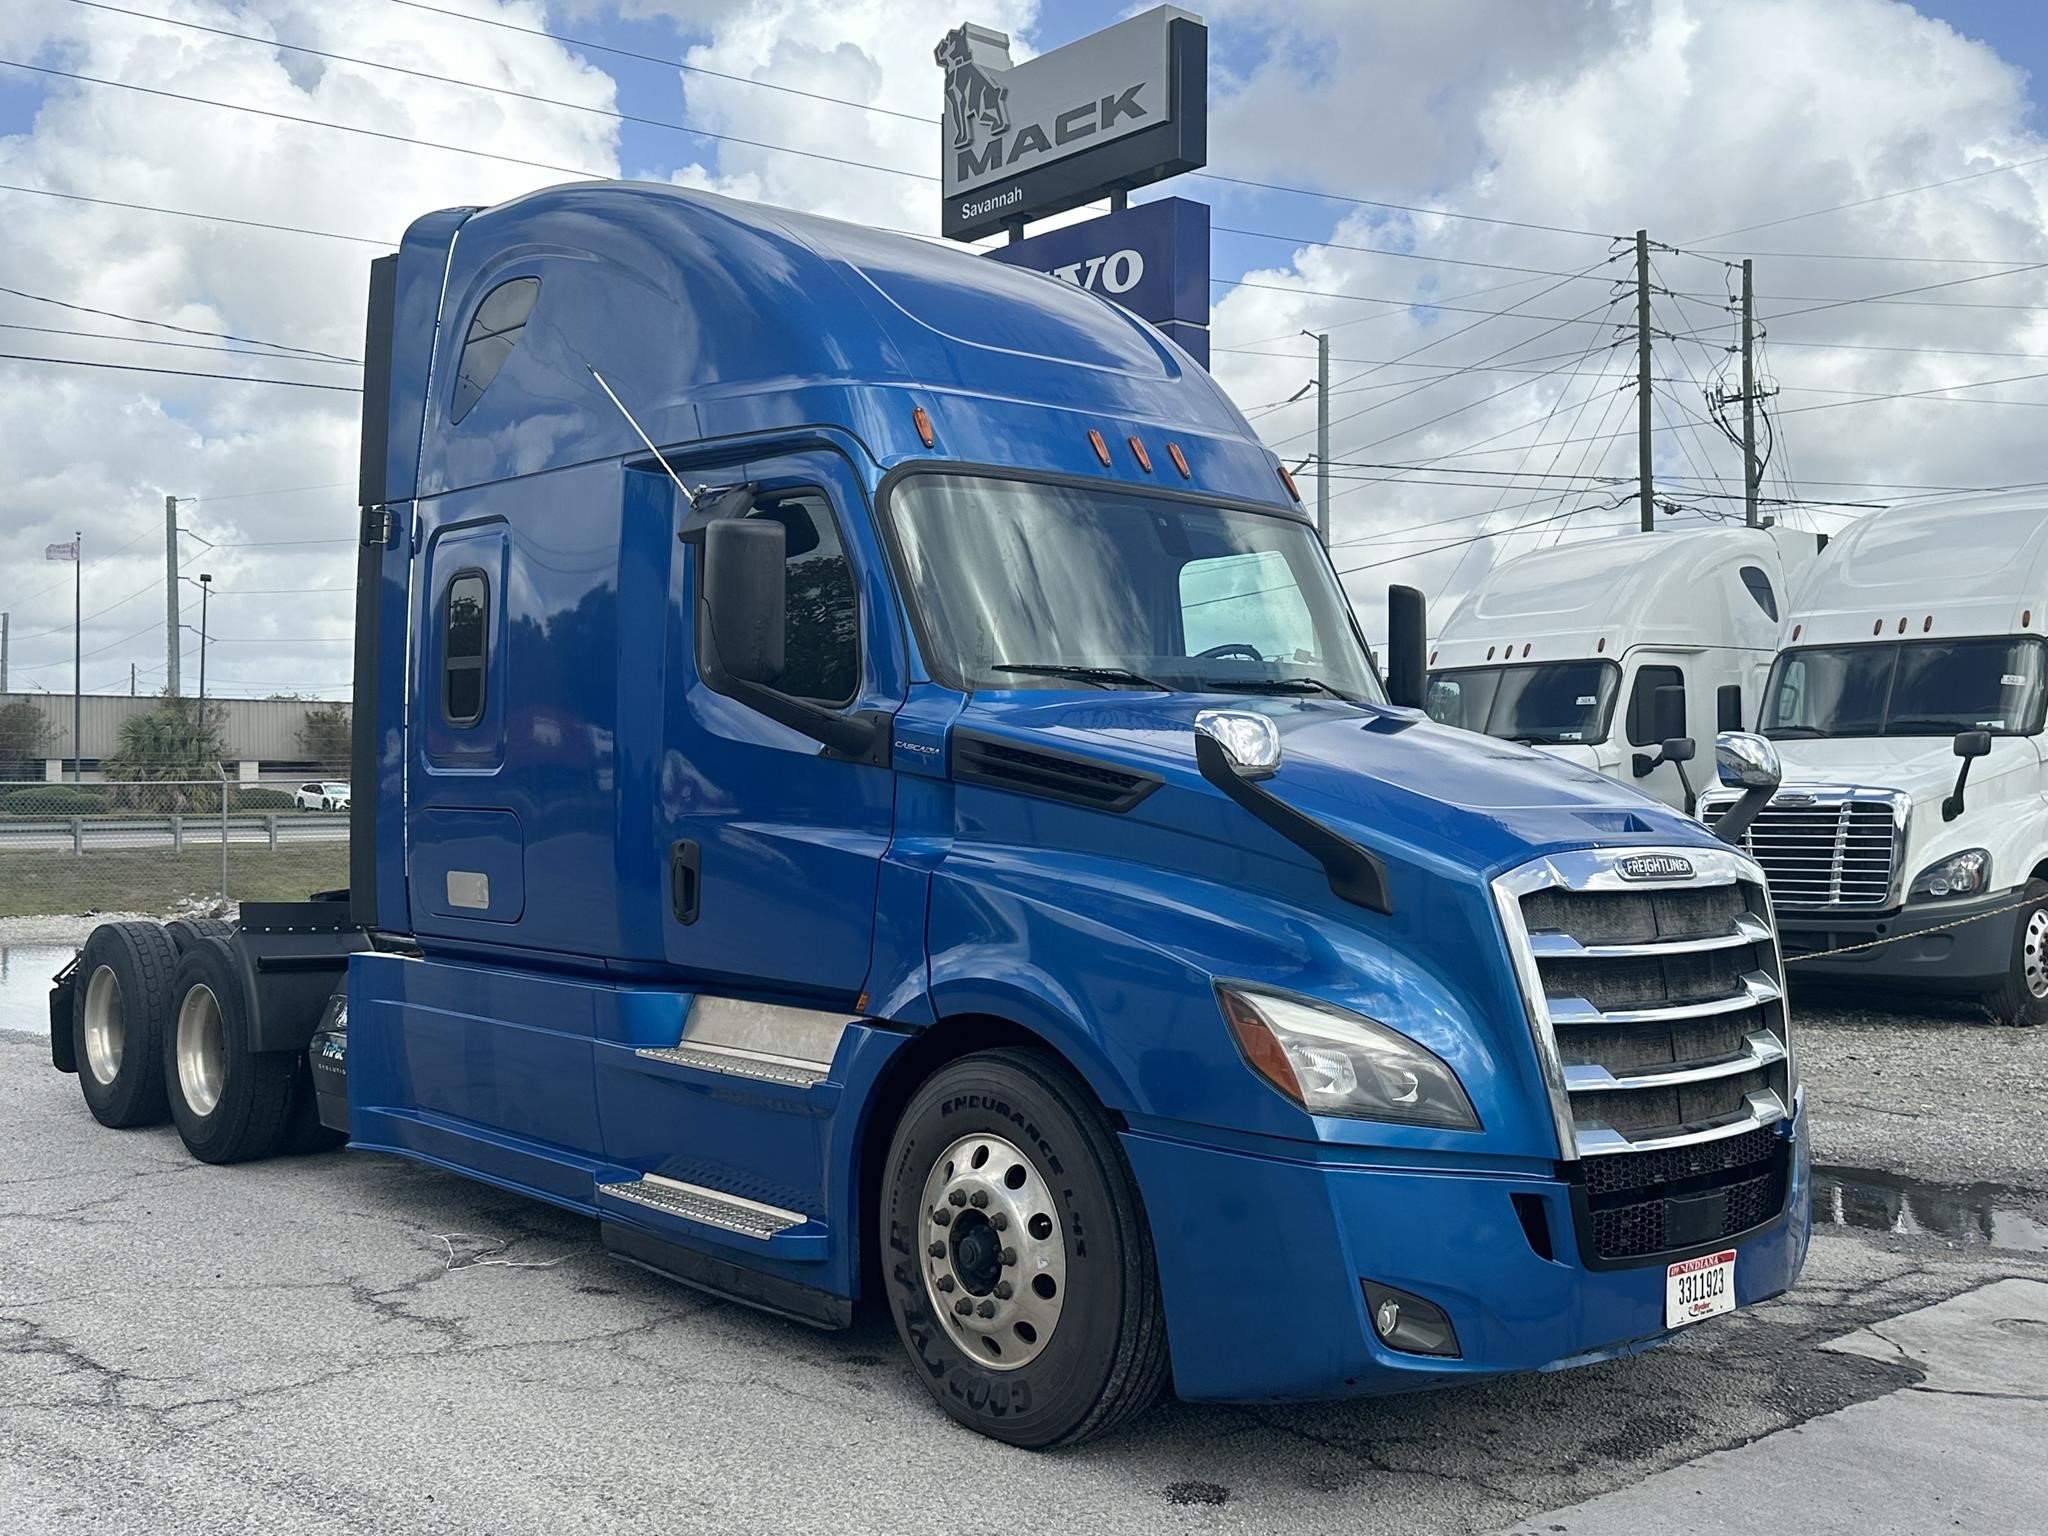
[[1288, 480], [1138, 450], [1101, 448], [923, 423], [1180, 461]]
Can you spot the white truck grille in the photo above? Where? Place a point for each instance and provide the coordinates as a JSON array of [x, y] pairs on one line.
[[1826, 849]]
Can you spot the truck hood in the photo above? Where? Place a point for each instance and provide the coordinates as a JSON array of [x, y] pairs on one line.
[[1390, 779], [1922, 767]]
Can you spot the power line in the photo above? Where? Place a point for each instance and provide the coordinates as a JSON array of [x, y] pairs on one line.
[[183, 330], [498, 90], [182, 373], [649, 58], [1864, 202], [156, 341], [1381, 250], [186, 213]]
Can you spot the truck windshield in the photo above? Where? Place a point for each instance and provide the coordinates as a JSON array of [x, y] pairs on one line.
[[1025, 585], [1907, 688], [1547, 704]]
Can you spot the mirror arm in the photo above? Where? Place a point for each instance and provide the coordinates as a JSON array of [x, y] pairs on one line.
[[1685, 784], [1952, 807], [1735, 821], [858, 737]]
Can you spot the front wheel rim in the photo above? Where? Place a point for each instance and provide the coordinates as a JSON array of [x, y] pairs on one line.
[[106, 1025], [995, 1257], [2034, 953], [201, 1051]]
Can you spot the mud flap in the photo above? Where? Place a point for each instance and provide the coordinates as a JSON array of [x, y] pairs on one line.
[[63, 1043]]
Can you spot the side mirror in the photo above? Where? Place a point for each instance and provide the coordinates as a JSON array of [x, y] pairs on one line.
[[1407, 646], [744, 599], [1728, 707], [1748, 763], [1679, 749], [742, 611], [1667, 711], [1968, 745]]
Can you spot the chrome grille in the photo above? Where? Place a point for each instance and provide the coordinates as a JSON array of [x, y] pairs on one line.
[[1657, 1009], [1825, 849]]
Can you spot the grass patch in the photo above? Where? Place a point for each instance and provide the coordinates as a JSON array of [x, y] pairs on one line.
[[160, 881]]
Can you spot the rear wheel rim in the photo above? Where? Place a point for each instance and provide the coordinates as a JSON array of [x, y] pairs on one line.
[[995, 1258], [2034, 953], [106, 1025], [202, 1050]]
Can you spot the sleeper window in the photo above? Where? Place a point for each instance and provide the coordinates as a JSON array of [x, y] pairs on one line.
[[493, 332], [466, 628], [821, 654]]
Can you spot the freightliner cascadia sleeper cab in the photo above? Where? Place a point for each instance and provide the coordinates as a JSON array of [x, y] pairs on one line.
[[868, 786]]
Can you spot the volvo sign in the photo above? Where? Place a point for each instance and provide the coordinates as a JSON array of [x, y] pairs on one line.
[[1152, 258], [1121, 108]]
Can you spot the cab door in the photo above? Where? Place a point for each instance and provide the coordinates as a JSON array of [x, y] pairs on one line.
[[1664, 696], [775, 844]]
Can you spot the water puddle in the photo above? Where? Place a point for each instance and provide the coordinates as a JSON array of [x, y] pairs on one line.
[[25, 972], [1986, 1215]]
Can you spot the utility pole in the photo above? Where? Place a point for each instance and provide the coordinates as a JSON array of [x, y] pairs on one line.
[[77, 655], [3, 651], [1647, 492], [131, 679], [1750, 473], [205, 592], [171, 596], [1323, 438]]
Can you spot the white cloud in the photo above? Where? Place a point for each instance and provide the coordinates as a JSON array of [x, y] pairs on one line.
[[99, 450]]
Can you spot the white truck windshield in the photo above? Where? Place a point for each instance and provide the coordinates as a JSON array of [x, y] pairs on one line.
[[1019, 584], [1550, 703], [1907, 688]]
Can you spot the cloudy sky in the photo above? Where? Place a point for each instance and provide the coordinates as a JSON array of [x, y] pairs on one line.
[[1479, 391]]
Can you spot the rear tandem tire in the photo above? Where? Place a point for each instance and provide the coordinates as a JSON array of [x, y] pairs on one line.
[[2023, 999], [230, 1104], [184, 932], [1062, 1339], [121, 1004]]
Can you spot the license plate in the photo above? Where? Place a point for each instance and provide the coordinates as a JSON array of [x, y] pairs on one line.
[[1699, 1288]]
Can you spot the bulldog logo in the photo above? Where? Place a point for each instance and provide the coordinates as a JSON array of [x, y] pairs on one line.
[[972, 57]]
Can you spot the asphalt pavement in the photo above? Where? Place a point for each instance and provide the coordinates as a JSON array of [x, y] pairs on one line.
[[352, 1344]]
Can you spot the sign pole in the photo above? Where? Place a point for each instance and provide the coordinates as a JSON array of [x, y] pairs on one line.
[[77, 654]]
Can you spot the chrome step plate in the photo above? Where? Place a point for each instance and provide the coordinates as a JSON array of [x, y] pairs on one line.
[[693, 1202], [766, 1069]]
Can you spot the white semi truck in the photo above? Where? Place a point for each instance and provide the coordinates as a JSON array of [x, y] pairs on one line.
[[1609, 651], [1907, 705]]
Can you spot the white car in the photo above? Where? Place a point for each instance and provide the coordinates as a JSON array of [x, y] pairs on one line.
[[325, 796]]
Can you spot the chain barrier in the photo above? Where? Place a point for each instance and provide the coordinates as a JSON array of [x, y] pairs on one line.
[[1850, 949]]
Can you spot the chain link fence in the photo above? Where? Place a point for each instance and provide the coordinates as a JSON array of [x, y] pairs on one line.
[[163, 847]]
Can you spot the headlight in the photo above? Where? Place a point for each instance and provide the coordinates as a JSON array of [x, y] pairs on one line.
[[1333, 1062], [1960, 874]]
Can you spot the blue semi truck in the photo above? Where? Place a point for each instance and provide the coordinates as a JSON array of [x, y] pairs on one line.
[[867, 785]]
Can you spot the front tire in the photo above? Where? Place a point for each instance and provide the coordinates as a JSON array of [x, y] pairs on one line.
[[1016, 1256], [230, 1103], [2023, 999], [120, 1003]]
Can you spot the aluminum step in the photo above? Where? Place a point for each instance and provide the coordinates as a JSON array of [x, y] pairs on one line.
[[708, 1207], [736, 1063]]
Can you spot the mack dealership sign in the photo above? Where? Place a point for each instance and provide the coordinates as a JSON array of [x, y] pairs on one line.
[[1118, 109]]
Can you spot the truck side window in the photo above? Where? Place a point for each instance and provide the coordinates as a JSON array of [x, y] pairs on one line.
[[1249, 598], [1758, 580], [1642, 703], [466, 624], [493, 332], [820, 645]]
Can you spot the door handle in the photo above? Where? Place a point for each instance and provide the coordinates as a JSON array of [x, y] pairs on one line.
[[684, 879]]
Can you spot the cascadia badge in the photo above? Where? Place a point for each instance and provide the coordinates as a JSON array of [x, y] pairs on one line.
[[1654, 866]]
